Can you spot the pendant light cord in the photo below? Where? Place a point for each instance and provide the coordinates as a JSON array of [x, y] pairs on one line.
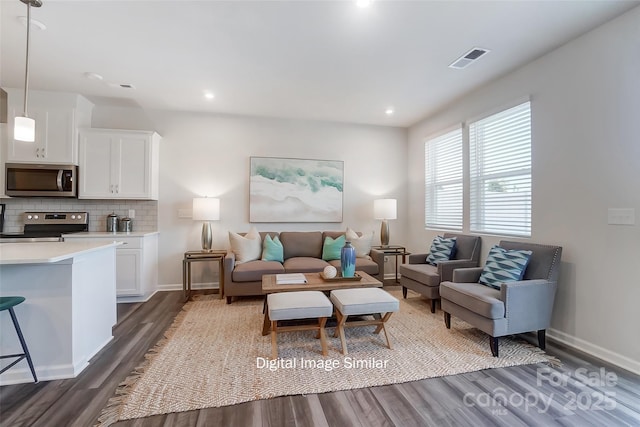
[[26, 68]]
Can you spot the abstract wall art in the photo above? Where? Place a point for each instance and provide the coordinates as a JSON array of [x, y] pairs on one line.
[[295, 190]]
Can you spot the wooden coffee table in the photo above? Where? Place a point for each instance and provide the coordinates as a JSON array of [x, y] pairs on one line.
[[314, 283]]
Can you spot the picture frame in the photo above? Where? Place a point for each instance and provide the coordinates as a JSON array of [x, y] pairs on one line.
[[295, 190]]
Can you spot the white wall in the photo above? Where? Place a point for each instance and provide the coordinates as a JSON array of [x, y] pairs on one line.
[[585, 99], [207, 154]]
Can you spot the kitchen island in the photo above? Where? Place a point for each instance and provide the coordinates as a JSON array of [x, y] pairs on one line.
[[70, 307]]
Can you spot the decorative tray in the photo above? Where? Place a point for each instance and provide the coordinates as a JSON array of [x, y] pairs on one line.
[[339, 278]]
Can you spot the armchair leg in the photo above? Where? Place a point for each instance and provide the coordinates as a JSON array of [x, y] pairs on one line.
[[542, 338], [228, 300], [493, 342], [433, 306], [404, 292], [447, 319]]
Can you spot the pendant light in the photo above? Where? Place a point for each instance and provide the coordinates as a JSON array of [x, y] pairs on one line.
[[24, 127]]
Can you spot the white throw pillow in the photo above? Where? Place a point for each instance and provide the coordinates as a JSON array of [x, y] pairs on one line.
[[246, 248], [361, 243]]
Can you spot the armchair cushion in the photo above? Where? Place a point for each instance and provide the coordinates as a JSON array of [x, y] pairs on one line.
[[479, 299], [426, 274], [504, 265], [442, 249]]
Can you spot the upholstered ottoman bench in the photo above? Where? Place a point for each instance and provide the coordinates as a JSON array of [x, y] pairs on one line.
[[363, 301], [298, 305]]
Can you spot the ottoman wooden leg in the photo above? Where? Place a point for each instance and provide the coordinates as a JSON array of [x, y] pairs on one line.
[[274, 340], [323, 338], [342, 319], [381, 325]]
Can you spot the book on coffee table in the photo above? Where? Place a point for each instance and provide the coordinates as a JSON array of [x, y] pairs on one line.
[[290, 279]]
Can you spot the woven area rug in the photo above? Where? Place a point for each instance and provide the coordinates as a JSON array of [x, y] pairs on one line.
[[215, 355]]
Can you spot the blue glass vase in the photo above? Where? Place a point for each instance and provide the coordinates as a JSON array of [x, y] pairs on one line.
[[348, 260]]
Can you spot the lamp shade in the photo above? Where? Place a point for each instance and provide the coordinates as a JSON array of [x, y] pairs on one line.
[[24, 129], [385, 209], [206, 209]]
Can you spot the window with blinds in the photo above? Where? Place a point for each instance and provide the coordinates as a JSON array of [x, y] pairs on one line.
[[443, 181], [500, 172]]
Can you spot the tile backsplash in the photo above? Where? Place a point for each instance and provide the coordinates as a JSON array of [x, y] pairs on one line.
[[146, 211]]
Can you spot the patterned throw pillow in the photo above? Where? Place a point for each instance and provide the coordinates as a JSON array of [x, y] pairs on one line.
[[504, 266], [332, 247], [272, 249], [441, 249]]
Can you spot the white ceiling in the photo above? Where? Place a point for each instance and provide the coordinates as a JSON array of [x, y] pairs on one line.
[[320, 60]]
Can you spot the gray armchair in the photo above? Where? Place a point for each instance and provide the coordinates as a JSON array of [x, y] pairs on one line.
[[517, 307], [425, 278]]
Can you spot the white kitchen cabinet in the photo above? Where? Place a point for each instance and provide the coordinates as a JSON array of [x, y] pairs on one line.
[[58, 117], [118, 164], [136, 262]]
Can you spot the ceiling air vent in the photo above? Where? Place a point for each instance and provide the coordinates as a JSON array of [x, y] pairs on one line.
[[468, 58]]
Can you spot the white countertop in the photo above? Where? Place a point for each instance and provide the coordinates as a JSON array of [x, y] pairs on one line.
[[94, 234], [47, 252]]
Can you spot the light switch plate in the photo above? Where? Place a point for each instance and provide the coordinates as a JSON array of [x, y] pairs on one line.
[[621, 216], [185, 213], [132, 213]]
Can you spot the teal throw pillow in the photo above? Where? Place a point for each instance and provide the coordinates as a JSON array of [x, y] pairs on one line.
[[441, 249], [332, 247], [504, 266], [272, 249]]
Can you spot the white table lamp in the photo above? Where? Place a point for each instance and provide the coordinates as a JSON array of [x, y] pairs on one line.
[[385, 209], [206, 209]]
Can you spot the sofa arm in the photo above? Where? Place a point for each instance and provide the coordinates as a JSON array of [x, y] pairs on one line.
[[378, 257], [445, 268], [229, 264], [528, 304], [467, 275]]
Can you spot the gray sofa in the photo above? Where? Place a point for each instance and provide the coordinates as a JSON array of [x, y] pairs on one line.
[[302, 254], [425, 278]]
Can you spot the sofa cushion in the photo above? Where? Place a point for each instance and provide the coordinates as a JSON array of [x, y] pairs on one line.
[[362, 264], [475, 297], [442, 248], [301, 244], [304, 265], [252, 271], [272, 249], [360, 241], [332, 248], [426, 274], [246, 248], [504, 265]]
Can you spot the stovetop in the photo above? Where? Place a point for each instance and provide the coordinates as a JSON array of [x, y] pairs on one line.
[[48, 226]]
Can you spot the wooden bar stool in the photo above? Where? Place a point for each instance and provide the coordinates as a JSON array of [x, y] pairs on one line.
[[360, 302], [298, 305], [7, 303]]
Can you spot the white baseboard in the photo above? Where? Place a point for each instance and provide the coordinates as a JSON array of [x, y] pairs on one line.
[[178, 286], [594, 350]]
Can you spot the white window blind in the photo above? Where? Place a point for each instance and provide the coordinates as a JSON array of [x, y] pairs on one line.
[[443, 181], [500, 172]]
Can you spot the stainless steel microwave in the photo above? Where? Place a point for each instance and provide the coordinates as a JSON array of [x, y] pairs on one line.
[[41, 180]]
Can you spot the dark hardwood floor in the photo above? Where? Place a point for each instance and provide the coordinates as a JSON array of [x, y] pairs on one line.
[[581, 392]]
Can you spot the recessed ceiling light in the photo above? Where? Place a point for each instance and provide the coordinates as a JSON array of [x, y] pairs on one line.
[[209, 95], [389, 111], [363, 3], [93, 76]]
